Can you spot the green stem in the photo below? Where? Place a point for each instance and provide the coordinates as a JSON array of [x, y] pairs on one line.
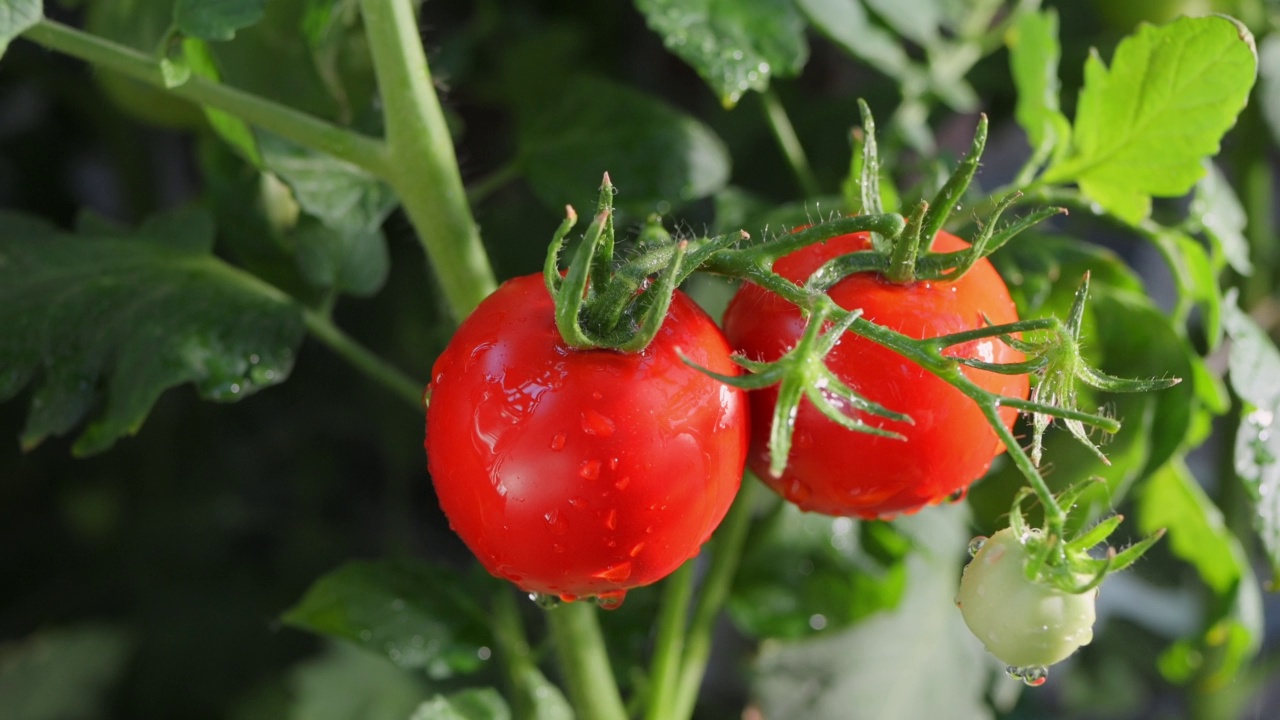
[[664, 673], [726, 552], [584, 662], [514, 653], [285, 121], [377, 369], [789, 141], [424, 168]]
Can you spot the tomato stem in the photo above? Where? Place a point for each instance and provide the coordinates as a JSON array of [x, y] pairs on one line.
[[664, 672], [726, 552], [584, 661], [373, 366]]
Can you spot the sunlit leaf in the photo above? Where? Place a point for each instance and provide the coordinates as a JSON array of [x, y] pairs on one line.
[[1144, 126], [1033, 56], [1254, 369]]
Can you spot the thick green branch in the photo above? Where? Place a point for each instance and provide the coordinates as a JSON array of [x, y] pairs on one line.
[[285, 121], [424, 167]]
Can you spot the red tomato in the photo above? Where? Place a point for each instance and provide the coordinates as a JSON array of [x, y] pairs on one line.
[[582, 472], [837, 471]]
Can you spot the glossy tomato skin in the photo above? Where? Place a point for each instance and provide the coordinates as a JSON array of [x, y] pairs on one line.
[[582, 472], [840, 472]]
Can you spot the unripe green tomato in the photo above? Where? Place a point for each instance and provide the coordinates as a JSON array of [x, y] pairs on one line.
[[1025, 623]]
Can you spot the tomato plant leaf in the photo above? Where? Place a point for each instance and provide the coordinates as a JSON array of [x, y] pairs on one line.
[[346, 683], [472, 704], [1196, 279], [1216, 211], [1254, 365], [1144, 126], [804, 573], [15, 17], [216, 19], [915, 661], [847, 24], [418, 615], [64, 673], [1197, 533], [105, 324], [734, 46], [343, 247], [1033, 57], [658, 156]]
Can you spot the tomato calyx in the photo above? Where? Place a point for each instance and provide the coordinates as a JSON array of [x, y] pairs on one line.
[[1060, 365], [602, 302]]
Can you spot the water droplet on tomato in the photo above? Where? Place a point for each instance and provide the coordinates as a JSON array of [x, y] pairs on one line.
[[543, 600], [558, 440], [611, 600], [597, 425], [618, 572], [623, 483], [559, 524], [575, 503], [611, 519], [1033, 676], [613, 463], [589, 470], [597, 395], [568, 597], [976, 544], [635, 550]]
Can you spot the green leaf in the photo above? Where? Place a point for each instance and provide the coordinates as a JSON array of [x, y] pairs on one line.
[[1217, 211], [916, 661], [344, 248], [420, 616], [473, 704], [803, 573], [339, 194], [734, 46], [1033, 56], [1197, 533], [1172, 499], [105, 324], [15, 17], [847, 24], [62, 674], [1196, 280], [1254, 365], [349, 684], [916, 20], [657, 156], [355, 263], [216, 19], [1144, 126], [230, 128]]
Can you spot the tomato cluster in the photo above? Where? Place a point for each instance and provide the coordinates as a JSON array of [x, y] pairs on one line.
[[948, 445], [585, 472]]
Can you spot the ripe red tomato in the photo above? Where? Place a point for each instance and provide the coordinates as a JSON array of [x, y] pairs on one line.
[[582, 472], [837, 471]]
